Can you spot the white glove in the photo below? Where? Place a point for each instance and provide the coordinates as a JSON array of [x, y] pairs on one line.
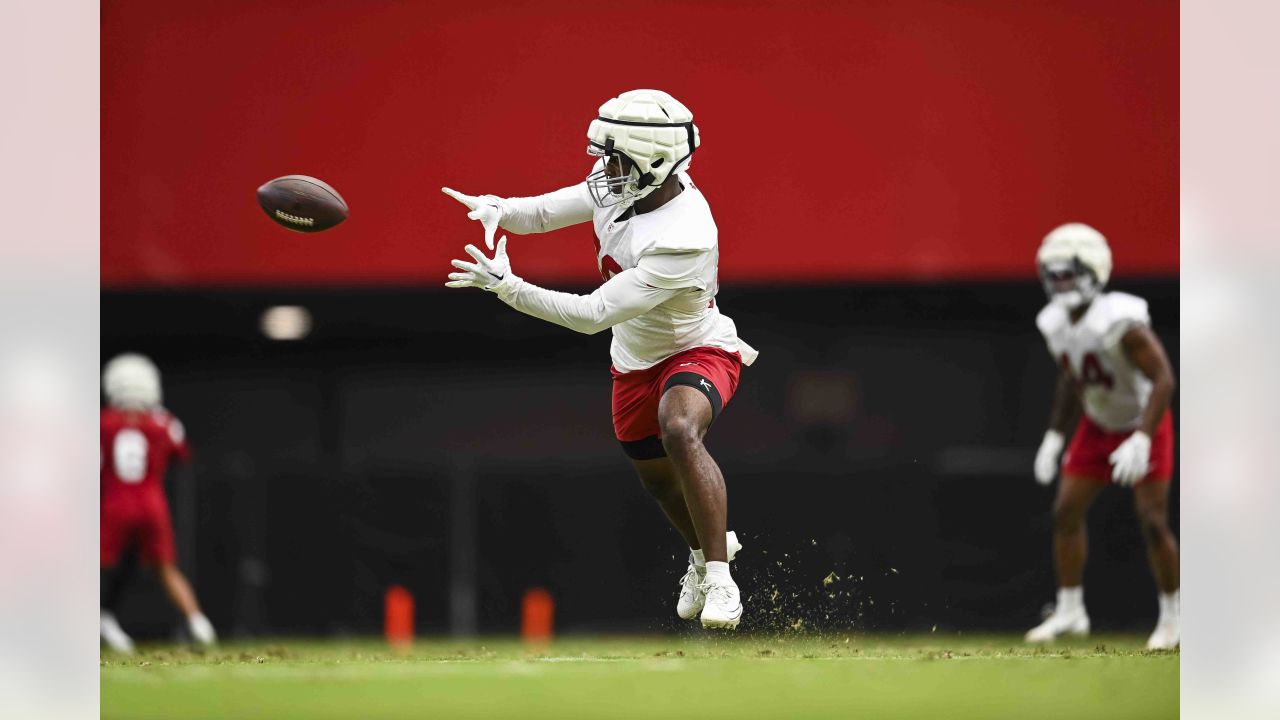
[[1047, 457], [483, 273], [486, 208], [1132, 459]]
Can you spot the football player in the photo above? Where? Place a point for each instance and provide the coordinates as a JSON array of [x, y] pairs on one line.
[[1112, 364], [139, 438], [676, 358]]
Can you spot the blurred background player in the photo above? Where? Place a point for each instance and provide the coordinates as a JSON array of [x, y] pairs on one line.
[[1114, 366], [139, 438], [676, 359]]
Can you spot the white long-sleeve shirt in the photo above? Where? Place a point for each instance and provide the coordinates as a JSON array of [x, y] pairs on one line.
[[659, 270]]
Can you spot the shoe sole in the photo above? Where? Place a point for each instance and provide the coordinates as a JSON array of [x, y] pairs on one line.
[[1073, 633], [726, 624]]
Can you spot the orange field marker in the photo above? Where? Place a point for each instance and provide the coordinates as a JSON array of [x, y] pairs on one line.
[[398, 617], [537, 616]]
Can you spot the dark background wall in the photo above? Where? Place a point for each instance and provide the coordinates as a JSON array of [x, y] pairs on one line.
[[443, 442]]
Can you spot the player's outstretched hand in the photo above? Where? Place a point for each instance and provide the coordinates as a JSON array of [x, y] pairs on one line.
[[484, 273], [485, 208], [1047, 457], [1130, 461]]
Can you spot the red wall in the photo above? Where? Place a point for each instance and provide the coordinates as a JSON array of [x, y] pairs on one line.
[[840, 140]]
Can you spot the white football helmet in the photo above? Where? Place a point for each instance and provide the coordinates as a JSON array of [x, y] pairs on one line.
[[1075, 264], [651, 129], [132, 381]]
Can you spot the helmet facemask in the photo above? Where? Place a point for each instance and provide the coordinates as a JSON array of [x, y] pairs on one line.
[[1069, 283], [609, 190]]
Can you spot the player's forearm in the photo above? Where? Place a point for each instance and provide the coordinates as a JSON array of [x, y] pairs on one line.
[[544, 213], [580, 313], [586, 314], [1157, 403], [1065, 404], [623, 297], [1145, 351]]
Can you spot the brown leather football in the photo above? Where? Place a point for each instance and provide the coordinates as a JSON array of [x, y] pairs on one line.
[[302, 203]]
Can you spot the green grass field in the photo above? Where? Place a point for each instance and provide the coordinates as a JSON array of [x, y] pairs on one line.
[[834, 676]]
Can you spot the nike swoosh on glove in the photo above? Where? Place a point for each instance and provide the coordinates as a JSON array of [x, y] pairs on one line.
[[485, 273]]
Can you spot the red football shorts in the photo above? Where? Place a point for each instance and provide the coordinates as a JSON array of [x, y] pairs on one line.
[[141, 520], [1089, 454], [711, 371]]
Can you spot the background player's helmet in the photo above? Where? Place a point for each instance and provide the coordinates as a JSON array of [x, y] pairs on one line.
[[1075, 264], [651, 129], [131, 380]]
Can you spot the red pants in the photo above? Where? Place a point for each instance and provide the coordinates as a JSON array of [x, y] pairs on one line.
[[141, 520], [1089, 454], [711, 371]]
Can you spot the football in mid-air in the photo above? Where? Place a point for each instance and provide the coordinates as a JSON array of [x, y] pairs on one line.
[[302, 203]]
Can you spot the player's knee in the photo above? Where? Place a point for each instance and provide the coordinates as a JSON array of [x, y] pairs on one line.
[[1154, 526], [679, 435], [1067, 518]]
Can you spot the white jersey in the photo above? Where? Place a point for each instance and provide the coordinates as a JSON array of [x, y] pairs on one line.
[[660, 271], [1113, 390]]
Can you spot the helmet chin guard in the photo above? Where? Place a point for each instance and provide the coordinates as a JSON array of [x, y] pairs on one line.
[[1075, 264], [653, 131], [1069, 284]]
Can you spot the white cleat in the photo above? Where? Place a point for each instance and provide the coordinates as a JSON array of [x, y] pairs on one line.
[[723, 605], [731, 544], [1165, 637], [691, 596], [1065, 623], [202, 630], [113, 635]]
